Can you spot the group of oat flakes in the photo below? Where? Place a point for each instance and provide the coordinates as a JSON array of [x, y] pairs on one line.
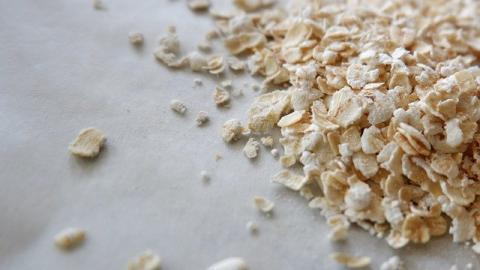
[[378, 102]]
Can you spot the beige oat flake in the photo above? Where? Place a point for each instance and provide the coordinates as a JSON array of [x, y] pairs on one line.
[[88, 143], [70, 238], [350, 261], [263, 204], [148, 260]]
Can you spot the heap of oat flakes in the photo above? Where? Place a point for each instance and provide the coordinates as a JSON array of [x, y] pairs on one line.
[[377, 101]]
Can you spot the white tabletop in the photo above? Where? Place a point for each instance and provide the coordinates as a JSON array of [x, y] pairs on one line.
[[65, 66]]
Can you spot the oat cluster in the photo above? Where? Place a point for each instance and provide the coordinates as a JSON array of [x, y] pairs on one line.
[[378, 102]]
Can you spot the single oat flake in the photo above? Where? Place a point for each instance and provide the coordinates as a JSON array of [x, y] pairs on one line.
[[350, 261], [88, 143], [251, 148], [232, 263], [136, 38], [70, 238], [263, 204], [178, 106], [148, 260]]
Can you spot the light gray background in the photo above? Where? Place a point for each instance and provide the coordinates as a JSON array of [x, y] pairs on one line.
[[65, 66]]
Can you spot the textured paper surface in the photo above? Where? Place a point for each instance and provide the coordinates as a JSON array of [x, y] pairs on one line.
[[65, 66]]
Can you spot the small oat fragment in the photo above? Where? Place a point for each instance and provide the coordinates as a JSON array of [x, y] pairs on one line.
[[205, 176], [221, 97], [178, 106], [263, 204], [393, 263], [148, 260], [199, 5], [267, 141], [98, 4], [69, 238], [202, 118], [275, 153], [232, 130], [233, 263], [350, 261], [88, 143], [251, 148], [136, 38], [218, 157], [252, 227]]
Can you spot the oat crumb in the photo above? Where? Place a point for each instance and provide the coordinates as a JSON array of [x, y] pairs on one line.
[[263, 204], [251, 148], [70, 238], [136, 38], [98, 4], [202, 118], [178, 106], [252, 227], [205, 176], [148, 260], [233, 263], [275, 153], [232, 130], [350, 261]]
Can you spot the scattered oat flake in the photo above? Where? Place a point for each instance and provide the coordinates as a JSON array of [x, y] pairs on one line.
[[98, 4], [275, 153], [205, 176], [178, 106], [232, 130], [350, 261], [252, 227], [70, 238], [263, 204], [148, 260], [88, 143], [221, 97], [199, 5], [232, 263], [136, 38], [202, 118], [251, 148]]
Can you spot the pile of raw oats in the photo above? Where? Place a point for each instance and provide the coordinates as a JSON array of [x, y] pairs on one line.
[[376, 100]]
